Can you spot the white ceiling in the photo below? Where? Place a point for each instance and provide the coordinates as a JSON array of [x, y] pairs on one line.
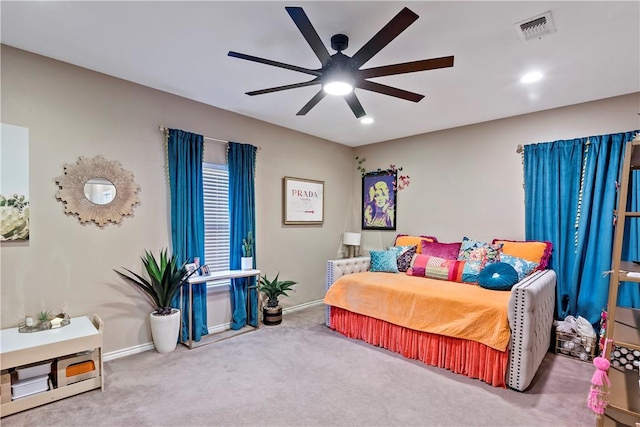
[[181, 48]]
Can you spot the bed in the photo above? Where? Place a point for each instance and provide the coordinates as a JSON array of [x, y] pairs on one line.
[[519, 334]]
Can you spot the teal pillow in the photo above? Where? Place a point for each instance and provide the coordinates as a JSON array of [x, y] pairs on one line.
[[471, 271], [383, 261], [498, 276], [522, 266]]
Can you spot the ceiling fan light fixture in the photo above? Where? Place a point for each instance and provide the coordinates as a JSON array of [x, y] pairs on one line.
[[337, 88], [366, 120]]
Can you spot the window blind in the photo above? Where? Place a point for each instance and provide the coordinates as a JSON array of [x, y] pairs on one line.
[[216, 217]]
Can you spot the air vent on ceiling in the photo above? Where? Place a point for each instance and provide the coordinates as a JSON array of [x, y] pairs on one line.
[[536, 27]]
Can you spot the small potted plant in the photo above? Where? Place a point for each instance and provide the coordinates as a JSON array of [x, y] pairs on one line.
[[165, 278], [246, 262], [272, 289]]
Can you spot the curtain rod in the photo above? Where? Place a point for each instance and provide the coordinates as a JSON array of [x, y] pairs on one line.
[[164, 129], [519, 149]]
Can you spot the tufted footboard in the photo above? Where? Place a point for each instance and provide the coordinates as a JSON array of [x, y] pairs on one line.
[[530, 316]]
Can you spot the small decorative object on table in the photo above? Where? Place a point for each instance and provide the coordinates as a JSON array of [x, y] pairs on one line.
[[204, 270], [45, 320], [191, 268]]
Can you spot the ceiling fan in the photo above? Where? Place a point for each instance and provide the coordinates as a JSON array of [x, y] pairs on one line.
[[340, 74]]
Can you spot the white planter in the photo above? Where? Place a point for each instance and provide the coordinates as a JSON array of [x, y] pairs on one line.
[[246, 263], [165, 331]]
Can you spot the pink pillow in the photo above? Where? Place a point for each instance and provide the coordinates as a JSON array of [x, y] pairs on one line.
[[436, 268], [441, 250]]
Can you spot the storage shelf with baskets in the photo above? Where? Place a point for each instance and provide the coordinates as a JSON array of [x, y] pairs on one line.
[[39, 368], [623, 324]]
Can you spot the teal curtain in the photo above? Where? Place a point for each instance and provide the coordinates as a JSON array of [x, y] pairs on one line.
[[241, 160], [184, 156], [552, 186], [570, 196]]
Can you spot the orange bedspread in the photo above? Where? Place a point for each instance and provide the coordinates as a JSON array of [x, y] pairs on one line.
[[440, 307]]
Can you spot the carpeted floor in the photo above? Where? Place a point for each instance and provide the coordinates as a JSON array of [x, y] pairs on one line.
[[301, 373]]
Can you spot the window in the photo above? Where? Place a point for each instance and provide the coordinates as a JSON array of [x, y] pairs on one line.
[[216, 218]]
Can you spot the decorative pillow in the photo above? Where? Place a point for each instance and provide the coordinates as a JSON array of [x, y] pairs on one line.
[[534, 251], [404, 255], [436, 268], [383, 261], [406, 240], [471, 270], [521, 265], [498, 276], [474, 250], [441, 250]]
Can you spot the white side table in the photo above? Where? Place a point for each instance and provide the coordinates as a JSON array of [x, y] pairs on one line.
[[214, 277], [17, 349]]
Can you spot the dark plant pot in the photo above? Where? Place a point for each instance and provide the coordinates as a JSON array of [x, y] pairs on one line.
[[272, 315]]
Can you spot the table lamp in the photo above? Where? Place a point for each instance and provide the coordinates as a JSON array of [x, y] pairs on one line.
[[351, 240]]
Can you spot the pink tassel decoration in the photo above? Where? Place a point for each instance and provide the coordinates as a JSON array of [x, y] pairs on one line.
[[597, 400]]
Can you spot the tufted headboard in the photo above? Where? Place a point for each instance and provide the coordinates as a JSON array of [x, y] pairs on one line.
[[337, 268]]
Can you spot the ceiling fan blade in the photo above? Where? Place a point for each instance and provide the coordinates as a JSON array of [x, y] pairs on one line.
[[397, 25], [407, 67], [310, 34], [312, 103], [388, 90], [316, 73], [355, 105], [285, 87]]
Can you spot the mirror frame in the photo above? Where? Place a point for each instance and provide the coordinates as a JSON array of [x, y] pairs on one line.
[[71, 190]]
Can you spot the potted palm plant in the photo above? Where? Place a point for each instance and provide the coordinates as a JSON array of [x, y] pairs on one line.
[[165, 278], [271, 290]]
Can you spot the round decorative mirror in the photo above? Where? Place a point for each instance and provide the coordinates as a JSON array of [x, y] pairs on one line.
[[97, 190], [100, 191]]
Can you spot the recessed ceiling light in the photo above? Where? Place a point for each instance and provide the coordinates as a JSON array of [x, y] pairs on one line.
[[531, 77], [366, 120]]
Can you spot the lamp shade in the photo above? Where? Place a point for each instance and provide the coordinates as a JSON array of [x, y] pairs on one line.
[[351, 239]]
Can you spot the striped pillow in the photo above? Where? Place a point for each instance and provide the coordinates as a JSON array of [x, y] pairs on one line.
[[436, 268]]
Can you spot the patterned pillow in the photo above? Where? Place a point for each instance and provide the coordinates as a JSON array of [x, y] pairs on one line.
[[498, 276], [383, 261], [436, 268], [521, 265], [404, 255], [474, 250], [534, 251], [441, 250], [406, 240], [471, 270]]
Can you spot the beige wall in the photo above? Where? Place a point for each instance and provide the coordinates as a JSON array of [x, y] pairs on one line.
[[465, 181], [72, 112], [468, 181]]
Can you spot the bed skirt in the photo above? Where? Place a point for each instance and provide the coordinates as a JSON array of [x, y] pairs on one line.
[[461, 356]]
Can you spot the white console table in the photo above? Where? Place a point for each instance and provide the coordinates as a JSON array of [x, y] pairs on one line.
[[214, 277], [18, 349]]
